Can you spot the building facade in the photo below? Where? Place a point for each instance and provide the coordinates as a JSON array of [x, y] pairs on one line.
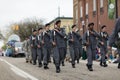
[[66, 22], [101, 12]]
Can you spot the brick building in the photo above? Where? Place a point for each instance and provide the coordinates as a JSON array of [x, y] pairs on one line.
[[97, 11]]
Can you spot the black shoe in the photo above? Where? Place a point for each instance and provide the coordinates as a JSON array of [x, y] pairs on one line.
[[34, 63], [63, 64], [46, 67], [89, 67], [27, 61], [105, 65], [31, 61], [73, 65], [40, 65], [78, 61], [101, 63], [118, 65], [57, 69]]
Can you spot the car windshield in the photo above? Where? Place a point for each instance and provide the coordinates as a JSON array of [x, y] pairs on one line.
[[18, 44]]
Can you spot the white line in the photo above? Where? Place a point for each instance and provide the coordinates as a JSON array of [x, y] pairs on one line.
[[19, 71]]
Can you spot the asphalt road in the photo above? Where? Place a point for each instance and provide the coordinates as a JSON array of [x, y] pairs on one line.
[[17, 69]]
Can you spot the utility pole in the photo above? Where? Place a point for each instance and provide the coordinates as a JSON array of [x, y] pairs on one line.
[[116, 3], [58, 8], [58, 11]]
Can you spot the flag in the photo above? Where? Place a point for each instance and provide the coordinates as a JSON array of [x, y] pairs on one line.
[[111, 9]]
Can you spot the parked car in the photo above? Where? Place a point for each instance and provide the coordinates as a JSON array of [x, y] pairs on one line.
[[18, 49]]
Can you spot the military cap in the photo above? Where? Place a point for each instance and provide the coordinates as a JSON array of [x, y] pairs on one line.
[[58, 21], [103, 26], [73, 26], [34, 30], [47, 24], [90, 24], [40, 28]]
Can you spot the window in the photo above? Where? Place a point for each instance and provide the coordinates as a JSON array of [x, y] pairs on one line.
[[101, 6], [76, 14], [86, 8], [101, 3], [94, 5], [81, 11]]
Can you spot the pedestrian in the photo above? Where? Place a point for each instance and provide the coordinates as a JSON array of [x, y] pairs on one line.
[[89, 40], [115, 39], [75, 45], [39, 46], [27, 50], [59, 45], [33, 46], [103, 45], [47, 45]]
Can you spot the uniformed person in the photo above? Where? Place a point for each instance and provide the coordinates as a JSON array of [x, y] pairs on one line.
[[75, 45], [103, 45], [47, 45], [65, 39], [59, 45], [115, 38], [39, 46], [27, 50], [33, 46], [89, 40]]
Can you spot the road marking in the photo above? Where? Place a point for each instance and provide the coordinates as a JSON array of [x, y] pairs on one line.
[[19, 71]]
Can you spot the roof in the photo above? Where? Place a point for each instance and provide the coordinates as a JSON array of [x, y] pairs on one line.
[[60, 19]]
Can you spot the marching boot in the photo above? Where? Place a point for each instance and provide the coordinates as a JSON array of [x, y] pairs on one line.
[[45, 66], [63, 63], [40, 65], [89, 67], [57, 69], [27, 61], [77, 61], [118, 65], [34, 63], [105, 65], [73, 65], [101, 63]]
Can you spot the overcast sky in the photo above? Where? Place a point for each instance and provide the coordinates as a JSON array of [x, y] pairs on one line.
[[16, 10]]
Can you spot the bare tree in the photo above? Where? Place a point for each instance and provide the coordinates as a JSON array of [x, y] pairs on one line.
[[26, 26]]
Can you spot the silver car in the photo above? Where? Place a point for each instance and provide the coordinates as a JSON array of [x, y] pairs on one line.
[[18, 49]]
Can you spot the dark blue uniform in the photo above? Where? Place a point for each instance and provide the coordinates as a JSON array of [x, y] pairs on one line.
[[47, 46], [115, 38], [91, 47], [59, 48], [75, 46], [39, 49], [33, 48], [103, 48]]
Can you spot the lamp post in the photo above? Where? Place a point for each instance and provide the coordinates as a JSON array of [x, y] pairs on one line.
[[116, 3]]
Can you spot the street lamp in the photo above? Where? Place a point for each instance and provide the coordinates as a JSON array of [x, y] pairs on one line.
[[83, 25], [116, 3]]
